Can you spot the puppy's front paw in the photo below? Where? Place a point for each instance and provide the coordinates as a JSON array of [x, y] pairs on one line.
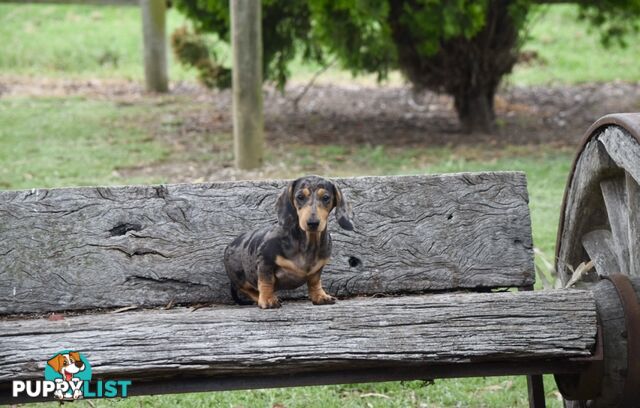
[[323, 300], [269, 303]]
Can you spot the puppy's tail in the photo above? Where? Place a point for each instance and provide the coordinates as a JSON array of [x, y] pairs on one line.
[[237, 298]]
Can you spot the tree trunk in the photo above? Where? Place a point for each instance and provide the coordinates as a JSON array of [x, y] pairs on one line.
[[468, 68], [476, 112]]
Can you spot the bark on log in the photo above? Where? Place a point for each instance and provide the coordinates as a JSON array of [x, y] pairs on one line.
[[518, 327], [82, 248]]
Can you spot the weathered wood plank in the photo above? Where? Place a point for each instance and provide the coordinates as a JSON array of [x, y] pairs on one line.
[[601, 249], [366, 332], [584, 201], [609, 153], [80, 248], [623, 149], [615, 201], [633, 205]]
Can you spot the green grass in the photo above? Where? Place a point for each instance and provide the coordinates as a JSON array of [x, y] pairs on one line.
[[73, 41], [570, 51], [472, 392], [64, 142], [99, 41]]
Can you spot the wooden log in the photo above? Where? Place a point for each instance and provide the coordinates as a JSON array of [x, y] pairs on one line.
[[81, 248], [248, 121], [224, 341], [155, 44]]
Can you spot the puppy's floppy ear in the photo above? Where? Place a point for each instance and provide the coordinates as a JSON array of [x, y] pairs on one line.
[[56, 362], [287, 214], [343, 209]]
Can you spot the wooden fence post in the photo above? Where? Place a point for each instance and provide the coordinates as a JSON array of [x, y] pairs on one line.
[[248, 123], [155, 44]]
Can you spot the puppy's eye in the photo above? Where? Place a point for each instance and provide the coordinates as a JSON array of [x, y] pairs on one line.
[[65, 364], [300, 196], [326, 198]]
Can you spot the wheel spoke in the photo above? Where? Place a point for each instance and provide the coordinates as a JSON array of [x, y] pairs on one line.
[[624, 150], [633, 206], [600, 247], [613, 192]]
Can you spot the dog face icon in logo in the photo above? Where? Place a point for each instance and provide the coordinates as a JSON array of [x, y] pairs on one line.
[[69, 369]]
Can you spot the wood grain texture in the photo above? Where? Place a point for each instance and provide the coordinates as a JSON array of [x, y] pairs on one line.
[[615, 334], [615, 201], [611, 157], [633, 205], [623, 149], [82, 248], [585, 210], [601, 249], [614, 343], [233, 340]]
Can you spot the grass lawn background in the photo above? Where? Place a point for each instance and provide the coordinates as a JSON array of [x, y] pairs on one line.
[[54, 142], [72, 41]]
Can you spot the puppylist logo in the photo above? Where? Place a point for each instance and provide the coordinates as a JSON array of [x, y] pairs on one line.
[[67, 376]]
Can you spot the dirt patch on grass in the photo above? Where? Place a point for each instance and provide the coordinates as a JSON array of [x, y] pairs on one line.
[[196, 122]]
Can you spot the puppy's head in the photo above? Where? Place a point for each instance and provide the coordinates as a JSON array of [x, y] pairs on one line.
[[307, 202]]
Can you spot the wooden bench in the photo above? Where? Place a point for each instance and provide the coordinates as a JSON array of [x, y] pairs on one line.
[[422, 279]]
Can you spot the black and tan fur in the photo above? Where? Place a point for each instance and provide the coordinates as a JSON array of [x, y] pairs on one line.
[[292, 252]]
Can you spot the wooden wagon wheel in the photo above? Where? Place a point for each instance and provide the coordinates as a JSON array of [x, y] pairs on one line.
[[600, 222]]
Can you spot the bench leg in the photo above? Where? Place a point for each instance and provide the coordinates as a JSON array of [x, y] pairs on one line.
[[536, 391]]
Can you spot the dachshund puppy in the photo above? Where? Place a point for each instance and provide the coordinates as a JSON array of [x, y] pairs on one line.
[[292, 252]]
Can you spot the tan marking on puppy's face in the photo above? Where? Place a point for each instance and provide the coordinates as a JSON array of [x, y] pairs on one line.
[[313, 204], [324, 206]]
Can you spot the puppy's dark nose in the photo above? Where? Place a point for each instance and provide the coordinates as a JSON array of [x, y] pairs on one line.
[[79, 364], [313, 224]]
